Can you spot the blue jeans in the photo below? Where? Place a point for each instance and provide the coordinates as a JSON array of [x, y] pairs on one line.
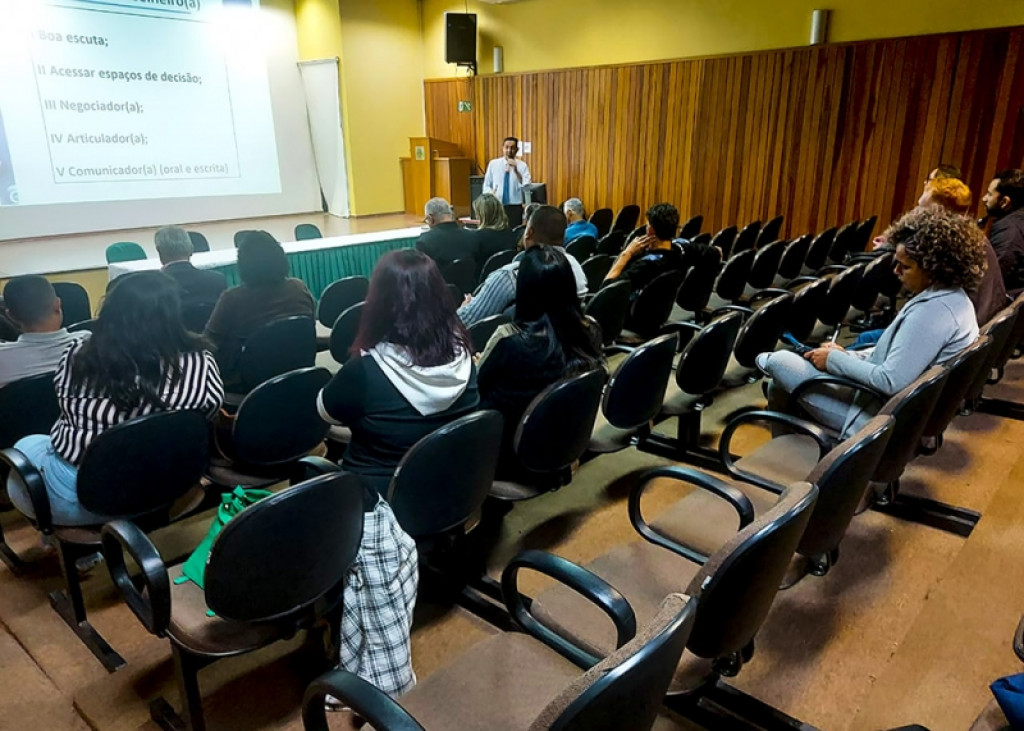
[[61, 479]]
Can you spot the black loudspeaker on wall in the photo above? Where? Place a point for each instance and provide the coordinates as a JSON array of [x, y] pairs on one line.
[[460, 38]]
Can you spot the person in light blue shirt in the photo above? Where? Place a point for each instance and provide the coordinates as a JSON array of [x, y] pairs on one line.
[[505, 178], [578, 224]]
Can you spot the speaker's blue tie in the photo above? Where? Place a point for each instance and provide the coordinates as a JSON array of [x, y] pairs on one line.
[[504, 191]]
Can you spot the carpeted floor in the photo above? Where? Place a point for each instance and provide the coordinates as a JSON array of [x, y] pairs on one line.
[[909, 627]]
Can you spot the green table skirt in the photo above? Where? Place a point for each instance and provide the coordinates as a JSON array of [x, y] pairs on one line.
[[321, 267]]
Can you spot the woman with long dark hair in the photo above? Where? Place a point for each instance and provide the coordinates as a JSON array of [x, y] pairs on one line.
[[549, 340], [139, 360]]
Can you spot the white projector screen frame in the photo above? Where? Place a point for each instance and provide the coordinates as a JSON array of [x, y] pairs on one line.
[[300, 191]]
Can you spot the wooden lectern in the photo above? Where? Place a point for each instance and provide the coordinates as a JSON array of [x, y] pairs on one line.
[[435, 168]]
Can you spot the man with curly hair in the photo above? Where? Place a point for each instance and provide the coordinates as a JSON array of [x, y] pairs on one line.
[[938, 255], [1004, 202]]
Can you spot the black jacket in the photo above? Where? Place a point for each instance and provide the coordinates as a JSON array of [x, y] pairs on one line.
[[447, 242], [197, 285]]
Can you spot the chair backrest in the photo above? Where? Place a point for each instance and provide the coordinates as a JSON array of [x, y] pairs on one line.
[[280, 556], [339, 296], [699, 283], [443, 480], [817, 254], [497, 261], [624, 691], [864, 230], [704, 238], [691, 228], [125, 251], [842, 477], [27, 406], [766, 264], [582, 247], [306, 231], [807, 303], [769, 232], [199, 242], [840, 294], [612, 243], [636, 390], [602, 218], [792, 261], [626, 218], [74, 301], [875, 275], [844, 242], [747, 237], [461, 273], [732, 280], [724, 240], [596, 268], [555, 429], [278, 422], [653, 304], [705, 358], [610, 307], [1010, 342], [963, 373], [761, 331], [275, 348], [195, 315], [636, 233], [999, 329], [911, 408], [737, 584], [482, 330], [143, 465]]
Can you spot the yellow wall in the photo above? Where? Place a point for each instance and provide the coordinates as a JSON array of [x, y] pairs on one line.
[[380, 47], [551, 34]]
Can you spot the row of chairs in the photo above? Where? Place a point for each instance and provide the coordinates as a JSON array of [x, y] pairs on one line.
[[131, 251]]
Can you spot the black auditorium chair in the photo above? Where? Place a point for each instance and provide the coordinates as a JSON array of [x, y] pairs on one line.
[[138, 471], [875, 279], [609, 308], [842, 289], [602, 218], [461, 273], [633, 396], [626, 218], [652, 306], [344, 332], [735, 585], [1000, 328], [612, 243], [792, 262], [552, 435], [864, 230], [817, 253], [698, 285], [480, 332], [278, 347], [496, 261], [963, 373], [276, 568], [691, 228], [339, 296], [582, 247], [534, 679], [724, 239], [74, 301], [636, 233], [765, 266], [704, 238], [277, 423], [769, 232], [596, 268], [844, 243], [83, 326], [194, 315], [746, 238], [732, 279], [808, 299], [27, 406], [199, 242], [802, 451], [762, 328]]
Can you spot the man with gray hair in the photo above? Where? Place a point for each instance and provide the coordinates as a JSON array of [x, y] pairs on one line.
[[198, 286], [445, 241], [578, 223]]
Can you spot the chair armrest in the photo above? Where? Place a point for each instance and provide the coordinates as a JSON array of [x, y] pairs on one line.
[[685, 331], [32, 479], [1018, 640], [580, 580], [827, 379], [730, 308], [310, 467], [614, 349], [831, 269], [805, 279], [801, 425], [768, 293], [368, 701], [740, 502], [151, 604]]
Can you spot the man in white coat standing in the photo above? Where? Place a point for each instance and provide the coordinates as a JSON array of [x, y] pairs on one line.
[[505, 178]]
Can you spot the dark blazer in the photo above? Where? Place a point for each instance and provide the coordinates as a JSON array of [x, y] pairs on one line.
[[1007, 237], [447, 242], [197, 285]]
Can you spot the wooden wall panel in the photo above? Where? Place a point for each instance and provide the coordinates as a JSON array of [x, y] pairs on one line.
[[821, 135]]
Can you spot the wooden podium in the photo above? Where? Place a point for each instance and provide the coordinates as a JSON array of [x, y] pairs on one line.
[[435, 168]]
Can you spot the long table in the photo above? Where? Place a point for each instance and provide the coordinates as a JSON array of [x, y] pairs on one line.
[[317, 262]]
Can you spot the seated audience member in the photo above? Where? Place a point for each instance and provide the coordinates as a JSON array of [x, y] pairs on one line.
[[446, 240], [1004, 202], [989, 294], [266, 293], [578, 224], [139, 360], [944, 171], [198, 286], [498, 292], [493, 234], [35, 309], [651, 253], [938, 254], [549, 340], [412, 370]]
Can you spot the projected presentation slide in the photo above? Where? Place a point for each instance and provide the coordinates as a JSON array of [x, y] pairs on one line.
[[114, 100]]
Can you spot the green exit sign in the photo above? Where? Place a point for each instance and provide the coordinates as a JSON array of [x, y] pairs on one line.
[[465, 106]]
